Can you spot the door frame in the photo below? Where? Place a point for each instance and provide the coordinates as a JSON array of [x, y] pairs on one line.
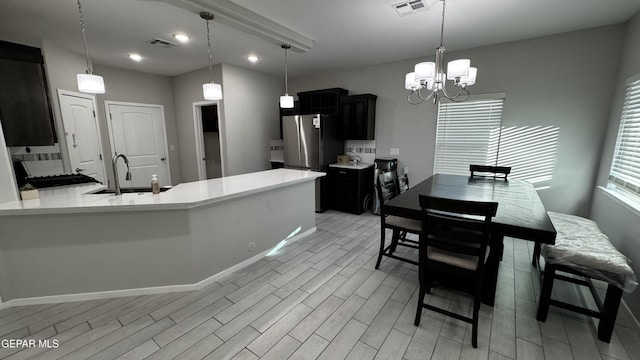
[[93, 99], [107, 103], [199, 138]]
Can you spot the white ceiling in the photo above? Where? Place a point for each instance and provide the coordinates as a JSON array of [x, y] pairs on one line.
[[345, 34]]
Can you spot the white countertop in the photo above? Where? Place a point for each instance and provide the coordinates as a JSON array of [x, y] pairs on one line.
[[74, 199], [356, 166]]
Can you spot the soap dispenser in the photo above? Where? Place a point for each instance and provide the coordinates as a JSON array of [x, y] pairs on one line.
[[155, 185]]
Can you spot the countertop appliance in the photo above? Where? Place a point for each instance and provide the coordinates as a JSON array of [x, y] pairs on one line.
[[382, 165], [310, 143]]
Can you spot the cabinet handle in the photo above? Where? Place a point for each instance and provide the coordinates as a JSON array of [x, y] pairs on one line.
[[342, 172]]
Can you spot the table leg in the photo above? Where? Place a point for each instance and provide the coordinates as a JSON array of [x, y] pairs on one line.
[[491, 268]]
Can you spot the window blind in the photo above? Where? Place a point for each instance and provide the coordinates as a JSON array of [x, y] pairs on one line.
[[464, 133], [625, 167]]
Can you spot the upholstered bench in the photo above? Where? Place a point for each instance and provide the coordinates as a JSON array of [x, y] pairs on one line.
[[582, 249]]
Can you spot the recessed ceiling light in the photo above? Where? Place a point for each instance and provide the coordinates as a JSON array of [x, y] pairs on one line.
[[253, 58], [135, 57], [182, 38]]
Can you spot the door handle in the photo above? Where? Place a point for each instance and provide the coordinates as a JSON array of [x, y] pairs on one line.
[[162, 159], [79, 170], [75, 144]]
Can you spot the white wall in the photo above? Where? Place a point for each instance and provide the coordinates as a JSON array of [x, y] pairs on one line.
[[251, 113], [62, 66], [8, 187], [212, 154], [187, 89], [138, 87], [249, 117], [564, 80], [617, 221]]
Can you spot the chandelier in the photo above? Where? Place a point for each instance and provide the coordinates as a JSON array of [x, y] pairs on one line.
[[428, 80]]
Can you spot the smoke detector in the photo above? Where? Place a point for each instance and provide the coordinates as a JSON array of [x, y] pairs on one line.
[[162, 43], [409, 7]]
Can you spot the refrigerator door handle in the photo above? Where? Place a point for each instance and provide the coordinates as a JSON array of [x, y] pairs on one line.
[[300, 162]]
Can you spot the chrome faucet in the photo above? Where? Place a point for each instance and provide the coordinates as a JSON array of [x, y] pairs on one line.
[[115, 171]]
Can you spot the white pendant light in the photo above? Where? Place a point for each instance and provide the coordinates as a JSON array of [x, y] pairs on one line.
[[88, 83], [210, 90], [286, 101]]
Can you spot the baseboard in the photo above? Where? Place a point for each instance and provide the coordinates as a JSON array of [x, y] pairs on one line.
[[55, 299]]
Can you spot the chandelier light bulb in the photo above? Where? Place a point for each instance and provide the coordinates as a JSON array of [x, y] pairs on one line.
[[410, 82], [425, 71], [458, 68], [471, 79]]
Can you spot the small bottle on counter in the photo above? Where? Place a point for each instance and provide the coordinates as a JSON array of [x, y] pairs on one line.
[[155, 185]]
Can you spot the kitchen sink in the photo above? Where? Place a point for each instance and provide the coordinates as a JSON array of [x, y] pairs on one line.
[[129, 190]]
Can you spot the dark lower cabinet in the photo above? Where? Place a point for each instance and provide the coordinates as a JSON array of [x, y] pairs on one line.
[[348, 188]]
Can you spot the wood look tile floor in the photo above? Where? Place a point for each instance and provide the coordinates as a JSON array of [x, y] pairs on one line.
[[321, 298]]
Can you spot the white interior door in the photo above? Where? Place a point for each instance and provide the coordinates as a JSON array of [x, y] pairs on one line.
[[138, 131], [82, 134]]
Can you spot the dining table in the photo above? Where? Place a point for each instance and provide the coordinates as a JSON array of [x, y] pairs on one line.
[[520, 213]]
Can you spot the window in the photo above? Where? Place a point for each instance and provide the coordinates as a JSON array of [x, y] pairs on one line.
[[471, 132], [464, 134], [625, 166]]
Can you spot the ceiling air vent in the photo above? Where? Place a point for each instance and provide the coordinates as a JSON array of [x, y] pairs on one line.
[[409, 7], [162, 43]]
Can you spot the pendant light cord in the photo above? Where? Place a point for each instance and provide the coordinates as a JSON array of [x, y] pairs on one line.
[[209, 46], [444, 4], [84, 40], [286, 77]]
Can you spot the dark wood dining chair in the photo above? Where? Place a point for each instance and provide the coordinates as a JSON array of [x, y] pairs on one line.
[[495, 172], [454, 245], [387, 188]]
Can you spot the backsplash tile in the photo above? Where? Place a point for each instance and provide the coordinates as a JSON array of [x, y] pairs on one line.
[[364, 149], [39, 160], [276, 148]]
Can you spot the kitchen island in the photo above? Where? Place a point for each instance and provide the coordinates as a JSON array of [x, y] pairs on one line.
[[73, 245]]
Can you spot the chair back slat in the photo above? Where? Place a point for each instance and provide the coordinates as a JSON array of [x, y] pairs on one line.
[[387, 188], [403, 179], [490, 171], [458, 226]]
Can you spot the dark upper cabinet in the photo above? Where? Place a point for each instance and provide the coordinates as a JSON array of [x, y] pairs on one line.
[[325, 101], [25, 110], [358, 117]]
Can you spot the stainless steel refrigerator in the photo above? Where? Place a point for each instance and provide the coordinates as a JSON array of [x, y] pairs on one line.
[[311, 143]]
